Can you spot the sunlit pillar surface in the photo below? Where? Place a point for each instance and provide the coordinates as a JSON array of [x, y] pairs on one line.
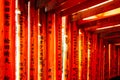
[[80, 56], [17, 58], [64, 49], [39, 40], [29, 40], [109, 56], [88, 56]]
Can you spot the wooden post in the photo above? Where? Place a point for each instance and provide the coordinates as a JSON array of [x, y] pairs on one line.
[[9, 40], [84, 56], [33, 42], [42, 63], [68, 42], [74, 50], [2, 68], [51, 44], [58, 23], [23, 40]]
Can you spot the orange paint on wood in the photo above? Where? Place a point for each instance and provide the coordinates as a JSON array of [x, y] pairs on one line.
[[43, 39], [69, 53], [33, 44], [51, 69], [74, 50], [84, 56], [58, 35], [23, 40], [2, 69], [9, 39]]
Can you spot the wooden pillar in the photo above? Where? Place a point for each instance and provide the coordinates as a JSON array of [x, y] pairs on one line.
[[84, 56], [33, 42], [74, 52], [68, 42], [101, 59], [7, 41], [106, 61], [113, 61], [80, 55], [58, 23], [42, 56], [118, 52], [93, 69], [23, 22], [51, 44], [98, 70], [25, 42], [89, 55], [2, 68]]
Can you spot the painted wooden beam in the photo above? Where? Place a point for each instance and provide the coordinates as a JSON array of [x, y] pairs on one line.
[[97, 10], [109, 21], [68, 4], [54, 5], [80, 6]]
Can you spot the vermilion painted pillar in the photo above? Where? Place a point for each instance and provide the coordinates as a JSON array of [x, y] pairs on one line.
[[2, 65], [89, 57], [74, 52], [101, 51], [93, 70], [42, 63], [33, 42], [113, 61], [80, 54], [68, 42], [25, 42], [106, 66], [12, 38], [84, 56], [51, 44], [118, 52], [9, 40], [23, 21], [58, 23], [97, 57]]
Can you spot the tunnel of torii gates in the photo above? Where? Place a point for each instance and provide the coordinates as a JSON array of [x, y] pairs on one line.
[[40, 45]]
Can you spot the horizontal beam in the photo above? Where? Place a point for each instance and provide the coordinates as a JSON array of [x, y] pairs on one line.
[[80, 6], [41, 3], [111, 37], [68, 4], [113, 40], [52, 5], [112, 20], [111, 5], [108, 31], [109, 21]]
